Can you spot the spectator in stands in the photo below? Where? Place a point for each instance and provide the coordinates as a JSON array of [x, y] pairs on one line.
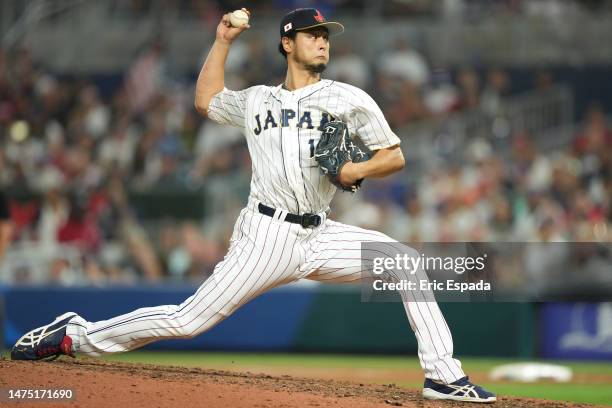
[[401, 100], [126, 251], [6, 227], [565, 181], [146, 77], [259, 62], [174, 257], [145, 158], [4, 169], [441, 96], [530, 171], [54, 210], [468, 83], [90, 116], [416, 223], [595, 136], [24, 153], [586, 217], [406, 63], [212, 140], [502, 226], [203, 251], [496, 89], [116, 152], [79, 228], [187, 253], [543, 80], [188, 130], [141, 250], [349, 67], [208, 12], [170, 173]]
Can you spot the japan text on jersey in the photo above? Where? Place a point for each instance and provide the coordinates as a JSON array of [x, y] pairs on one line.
[[282, 129]]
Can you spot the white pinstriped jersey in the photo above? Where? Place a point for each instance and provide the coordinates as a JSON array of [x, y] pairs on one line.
[[282, 129]]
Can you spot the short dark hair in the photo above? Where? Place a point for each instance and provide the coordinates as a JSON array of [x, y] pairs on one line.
[[291, 36]]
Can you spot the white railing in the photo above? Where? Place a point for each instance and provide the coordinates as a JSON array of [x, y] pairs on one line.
[[545, 117]]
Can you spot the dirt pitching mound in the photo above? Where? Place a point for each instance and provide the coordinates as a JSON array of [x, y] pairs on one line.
[[98, 383]]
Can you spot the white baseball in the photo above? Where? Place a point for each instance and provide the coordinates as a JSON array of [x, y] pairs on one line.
[[239, 18]]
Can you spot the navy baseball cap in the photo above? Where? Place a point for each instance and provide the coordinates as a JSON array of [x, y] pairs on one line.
[[305, 18]]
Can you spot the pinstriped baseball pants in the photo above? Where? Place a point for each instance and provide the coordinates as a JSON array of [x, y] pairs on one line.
[[266, 252]]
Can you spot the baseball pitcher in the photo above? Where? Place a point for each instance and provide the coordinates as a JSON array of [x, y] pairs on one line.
[[300, 138]]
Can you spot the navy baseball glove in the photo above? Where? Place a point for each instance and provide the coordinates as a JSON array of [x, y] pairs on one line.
[[334, 150]]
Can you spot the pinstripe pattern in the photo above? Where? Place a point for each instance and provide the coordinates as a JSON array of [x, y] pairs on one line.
[[336, 257], [284, 175], [264, 258], [266, 252]]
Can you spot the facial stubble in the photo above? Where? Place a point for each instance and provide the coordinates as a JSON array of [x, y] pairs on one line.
[[316, 68]]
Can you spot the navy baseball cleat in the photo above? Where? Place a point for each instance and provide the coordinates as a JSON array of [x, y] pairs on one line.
[[46, 342], [460, 390]]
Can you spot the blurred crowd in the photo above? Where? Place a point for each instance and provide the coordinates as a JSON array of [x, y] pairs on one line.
[[72, 153], [528, 196], [469, 9], [69, 160]]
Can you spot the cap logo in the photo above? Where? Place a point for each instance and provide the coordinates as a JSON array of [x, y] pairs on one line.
[[319, 17], [288, 27]]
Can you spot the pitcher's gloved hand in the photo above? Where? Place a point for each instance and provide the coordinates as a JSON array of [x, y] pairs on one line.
[[334, 150]]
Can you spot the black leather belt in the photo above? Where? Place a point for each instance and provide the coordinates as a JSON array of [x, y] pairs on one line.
[[305, 220]]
